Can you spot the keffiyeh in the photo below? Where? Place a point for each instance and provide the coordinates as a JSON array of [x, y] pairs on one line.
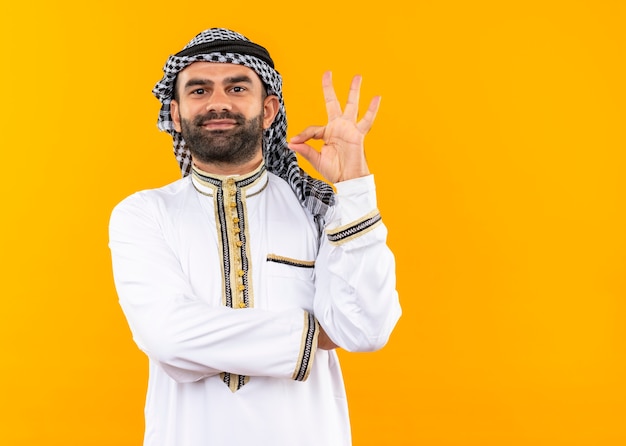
[[226, 46]]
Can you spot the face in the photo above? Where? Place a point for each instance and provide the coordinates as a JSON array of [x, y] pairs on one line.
[[221, 112]]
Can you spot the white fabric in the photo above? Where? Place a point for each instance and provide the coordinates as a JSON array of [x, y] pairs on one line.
[[168, 276]]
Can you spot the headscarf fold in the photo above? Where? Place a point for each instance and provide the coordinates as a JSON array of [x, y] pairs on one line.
[[226, 46]]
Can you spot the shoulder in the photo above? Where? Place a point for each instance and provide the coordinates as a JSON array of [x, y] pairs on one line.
[[152, 201]]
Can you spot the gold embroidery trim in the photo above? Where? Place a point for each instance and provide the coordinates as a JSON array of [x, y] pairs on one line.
[[290, 261], [355, 229]]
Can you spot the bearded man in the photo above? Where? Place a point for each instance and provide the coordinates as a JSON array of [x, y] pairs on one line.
[[240, 280]]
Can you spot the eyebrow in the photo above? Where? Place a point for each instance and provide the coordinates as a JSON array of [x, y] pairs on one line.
[[194, 82]]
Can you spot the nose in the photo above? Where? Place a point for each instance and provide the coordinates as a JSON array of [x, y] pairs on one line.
[[218, 102]]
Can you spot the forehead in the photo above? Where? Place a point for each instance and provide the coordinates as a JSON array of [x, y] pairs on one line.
[[216, 72]]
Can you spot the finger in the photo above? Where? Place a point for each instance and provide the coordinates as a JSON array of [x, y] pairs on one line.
[[365, 124], [311, 132], [352, 106], [307, 152], [333, 109]]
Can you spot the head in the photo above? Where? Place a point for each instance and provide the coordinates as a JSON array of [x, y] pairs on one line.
[[222, 110], [221, 47], [229, 121]]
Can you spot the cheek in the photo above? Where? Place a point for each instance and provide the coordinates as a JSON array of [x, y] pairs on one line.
[[187, 113]]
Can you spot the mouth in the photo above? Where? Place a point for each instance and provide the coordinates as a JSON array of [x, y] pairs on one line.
[[218, 124]]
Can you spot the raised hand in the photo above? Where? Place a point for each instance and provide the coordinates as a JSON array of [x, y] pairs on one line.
[[342, 157]]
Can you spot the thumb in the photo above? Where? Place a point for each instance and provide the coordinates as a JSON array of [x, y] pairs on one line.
[[307, 152], [311, 132]]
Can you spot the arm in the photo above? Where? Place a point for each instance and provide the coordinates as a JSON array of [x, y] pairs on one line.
[[356, 302], [188, 337]]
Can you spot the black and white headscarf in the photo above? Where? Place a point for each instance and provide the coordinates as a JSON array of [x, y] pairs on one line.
[[226, 46]]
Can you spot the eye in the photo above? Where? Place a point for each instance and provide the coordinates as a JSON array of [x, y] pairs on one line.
[[238, 89], [198, 91]]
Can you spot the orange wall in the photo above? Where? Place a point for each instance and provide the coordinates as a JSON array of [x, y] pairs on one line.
[[499, 157]]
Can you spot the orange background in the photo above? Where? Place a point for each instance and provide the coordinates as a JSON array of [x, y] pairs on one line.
[[499, 159]]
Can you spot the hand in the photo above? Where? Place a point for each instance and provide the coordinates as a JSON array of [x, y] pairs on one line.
[[324, 342], [342, 157]]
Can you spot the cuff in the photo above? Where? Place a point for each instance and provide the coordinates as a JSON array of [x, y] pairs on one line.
[[355, 229], [355, 198], [308, 347]]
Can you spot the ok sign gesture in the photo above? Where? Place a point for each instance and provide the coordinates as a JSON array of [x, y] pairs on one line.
[[342, 157]]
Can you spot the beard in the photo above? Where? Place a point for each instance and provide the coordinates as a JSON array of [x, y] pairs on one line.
[[233, 146]]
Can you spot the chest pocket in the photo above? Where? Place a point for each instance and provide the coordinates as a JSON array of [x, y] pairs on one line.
[[291, 282]]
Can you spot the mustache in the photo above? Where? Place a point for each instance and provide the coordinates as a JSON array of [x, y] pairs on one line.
[[202, 119]]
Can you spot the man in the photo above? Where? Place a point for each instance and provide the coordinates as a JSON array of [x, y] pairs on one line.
[[240, 279]]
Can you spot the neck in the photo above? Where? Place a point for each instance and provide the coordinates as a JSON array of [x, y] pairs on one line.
[[229, 168]]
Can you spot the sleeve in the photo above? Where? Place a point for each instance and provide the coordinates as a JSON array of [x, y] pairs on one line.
[[189, 338], [356, 301]]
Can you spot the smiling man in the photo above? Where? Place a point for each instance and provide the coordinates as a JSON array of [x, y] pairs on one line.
[[240, 280], [221, 111]]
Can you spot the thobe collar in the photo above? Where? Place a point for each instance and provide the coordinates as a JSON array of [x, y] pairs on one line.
[[249, 184]]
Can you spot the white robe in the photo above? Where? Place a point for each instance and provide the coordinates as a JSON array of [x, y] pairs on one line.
[[174, 262]]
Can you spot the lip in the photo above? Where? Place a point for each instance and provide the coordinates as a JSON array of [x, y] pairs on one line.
[[219, 124]]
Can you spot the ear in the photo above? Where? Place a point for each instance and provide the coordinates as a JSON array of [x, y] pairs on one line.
[[174, 113], [270, 110]]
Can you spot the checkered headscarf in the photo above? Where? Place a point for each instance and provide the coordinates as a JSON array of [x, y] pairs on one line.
[[226, 46]]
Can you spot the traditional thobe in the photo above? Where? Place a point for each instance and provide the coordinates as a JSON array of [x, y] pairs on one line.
[[225, 282]]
